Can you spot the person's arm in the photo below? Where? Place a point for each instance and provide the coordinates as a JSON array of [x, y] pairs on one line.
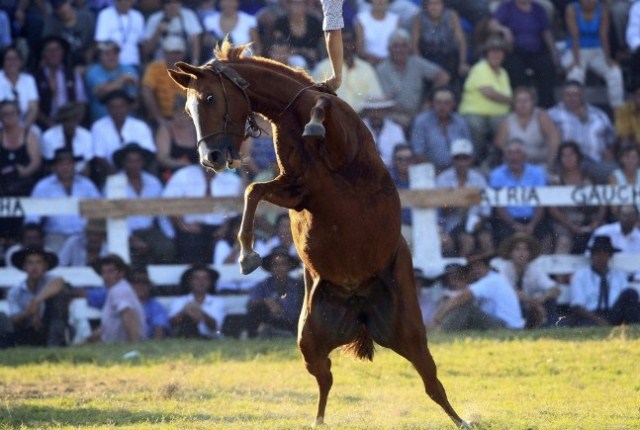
[[151, 104], [416, 28], [118, 83], [447, 306], [502, 135], [32, 113], [461, 41], [551, 134], [35, 157], [604, 34], [494, 95], [535, 219], [496, 27], [333, 41], [595, 318], [131, 325], [572, 27]]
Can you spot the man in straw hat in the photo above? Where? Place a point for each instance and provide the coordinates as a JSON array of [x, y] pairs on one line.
[[376, 115], [274, 304], [601, 295], [38, 305]]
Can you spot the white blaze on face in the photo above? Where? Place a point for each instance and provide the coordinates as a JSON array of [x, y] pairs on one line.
[[192, 107]]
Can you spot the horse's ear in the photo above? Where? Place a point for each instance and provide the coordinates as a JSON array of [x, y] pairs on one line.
[[180, 78]]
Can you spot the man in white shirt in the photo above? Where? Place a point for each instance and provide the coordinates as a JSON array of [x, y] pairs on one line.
[[124, 25], [624, 233]]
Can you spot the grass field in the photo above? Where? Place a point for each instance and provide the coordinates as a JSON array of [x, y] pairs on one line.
[[556, 379]]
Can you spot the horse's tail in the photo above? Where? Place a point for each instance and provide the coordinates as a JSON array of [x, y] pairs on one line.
[[361, 347]]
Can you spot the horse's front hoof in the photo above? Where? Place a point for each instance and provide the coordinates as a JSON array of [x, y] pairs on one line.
[[313, 130], [249, 262], [319, 422]]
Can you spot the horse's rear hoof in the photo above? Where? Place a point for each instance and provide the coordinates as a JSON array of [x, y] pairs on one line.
[[249, 262], [313, 130]]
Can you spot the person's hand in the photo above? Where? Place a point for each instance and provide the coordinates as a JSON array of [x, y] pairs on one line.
[[333, 83]]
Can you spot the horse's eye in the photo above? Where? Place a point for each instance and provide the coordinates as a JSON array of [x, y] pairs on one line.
[[209, 99]]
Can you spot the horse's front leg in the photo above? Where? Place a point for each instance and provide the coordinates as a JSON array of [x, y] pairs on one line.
[[279, 191], [314, 127]]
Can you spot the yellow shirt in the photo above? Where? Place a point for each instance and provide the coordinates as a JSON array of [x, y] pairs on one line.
[[165, 90], [473, 101], [628, 121]]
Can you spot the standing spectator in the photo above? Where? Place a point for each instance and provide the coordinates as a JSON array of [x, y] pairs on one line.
[[633, 41], [18, 86], [433, 131], [468, 228], [124, 25], [156, 316], [437, 36], [486, 96], [627, 118], [587, 125], [107, 75], [58, 83], [359, 79], [516, 171], [536, 291], [76, 26], [122, 318], [147, 241], [37, 305], [173, 21], [624, 233], [199, 313], [588, 47], [241, 27], [159, 91], [118, 128], [85, 248], [275, 303], [601, 295], [302, 30], [533, 126], [194, 233], [525, 26], [489, 302], [67, 133], [63, 183], [403, 75], [374, 28], [573, 225], [376, 114]]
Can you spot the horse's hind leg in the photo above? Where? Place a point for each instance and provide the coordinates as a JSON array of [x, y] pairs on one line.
[[314, 127]]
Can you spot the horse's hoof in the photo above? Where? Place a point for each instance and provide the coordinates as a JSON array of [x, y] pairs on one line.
[[249, 262], [313, 130], [318, 422]]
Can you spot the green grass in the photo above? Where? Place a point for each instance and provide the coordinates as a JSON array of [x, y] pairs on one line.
[[555, 379]]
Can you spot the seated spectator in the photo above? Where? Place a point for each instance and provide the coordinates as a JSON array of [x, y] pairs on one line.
[[633, 41], [279, 50], [601, 295], [629, 171], [85, 248], [194, 233], [587, 125], [119, 127], [64, 182], [302, 30], [173, 21], [19, 86], [281, 237], [174, 141], [159, 91], [525, 26], [437, 36], [376, 114], [434, 130], [261, 163], [467, 228], [403, 75], [156, 316], [536, 290], [488, 302], [58, 83], [227, 248], [588, 47], [5, 30], [76, 26], [573, 225], [533, 126], [486, 96], [6, 326], [516, 171], [38, 305], [107, 75], [240, 26], [374, 27], [199, 313], [275, 303], [359, 79], [147, 241], [68, 133], [122, 318], [434, 292], [627, 118], [403, 157], [124, 25], [32, 236], [623, 233]]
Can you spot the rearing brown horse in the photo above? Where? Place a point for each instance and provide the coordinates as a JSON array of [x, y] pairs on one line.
[[344, 209]]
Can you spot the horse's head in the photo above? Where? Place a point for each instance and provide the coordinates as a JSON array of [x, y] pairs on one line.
[[219, 106]]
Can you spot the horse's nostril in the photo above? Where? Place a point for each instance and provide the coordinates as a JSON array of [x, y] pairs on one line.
[[215, 156]]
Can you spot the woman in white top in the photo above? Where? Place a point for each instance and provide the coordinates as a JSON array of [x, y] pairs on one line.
[[373, 28], [629, 171], [533, 126], [19, 86], [239, 26]]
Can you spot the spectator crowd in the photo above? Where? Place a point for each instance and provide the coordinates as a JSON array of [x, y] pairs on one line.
[[493, 93]]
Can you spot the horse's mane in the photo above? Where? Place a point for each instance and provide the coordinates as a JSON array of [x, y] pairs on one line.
[[234, 54]]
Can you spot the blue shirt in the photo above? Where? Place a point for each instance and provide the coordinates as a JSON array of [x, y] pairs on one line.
[[290, 300], [96, 76], [155, 315], [429, 138], [532, 176]]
